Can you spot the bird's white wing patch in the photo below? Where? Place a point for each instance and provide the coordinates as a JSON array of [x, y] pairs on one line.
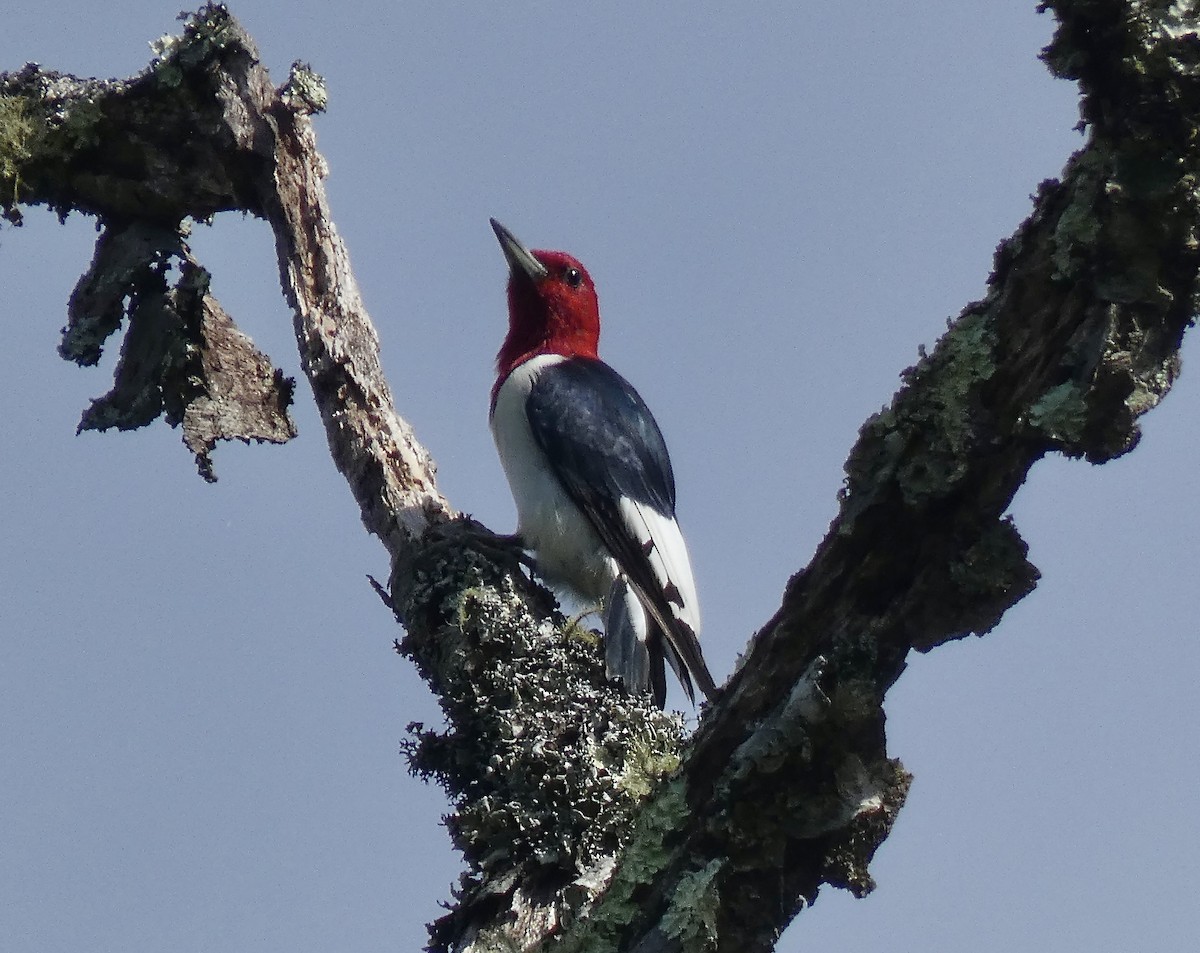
[[662, 542]]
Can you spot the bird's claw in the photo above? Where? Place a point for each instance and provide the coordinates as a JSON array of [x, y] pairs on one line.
[[503, 548]]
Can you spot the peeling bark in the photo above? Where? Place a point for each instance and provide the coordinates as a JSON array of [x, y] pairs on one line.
[[182, 356], [581, 814]]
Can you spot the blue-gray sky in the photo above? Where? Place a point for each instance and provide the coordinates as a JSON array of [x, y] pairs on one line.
[[199, 707]]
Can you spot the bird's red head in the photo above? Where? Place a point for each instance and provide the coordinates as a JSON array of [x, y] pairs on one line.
[[552, 305]]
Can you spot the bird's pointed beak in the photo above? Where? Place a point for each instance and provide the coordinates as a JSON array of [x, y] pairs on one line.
[[520, 258]]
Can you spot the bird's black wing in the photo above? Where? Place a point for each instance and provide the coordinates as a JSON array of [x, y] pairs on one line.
[[609, 454]]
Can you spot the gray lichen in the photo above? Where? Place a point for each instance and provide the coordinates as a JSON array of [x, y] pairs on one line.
[[206, 33], [647, 853], [691, 918], [1060, 413], [921, 443], [305, 90], [547, 762]]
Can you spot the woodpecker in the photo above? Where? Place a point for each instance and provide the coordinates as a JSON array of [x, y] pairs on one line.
[[590, 475]]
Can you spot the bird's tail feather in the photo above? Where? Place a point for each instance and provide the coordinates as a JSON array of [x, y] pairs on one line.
[[666, 649], [626, 655], [635, 648]]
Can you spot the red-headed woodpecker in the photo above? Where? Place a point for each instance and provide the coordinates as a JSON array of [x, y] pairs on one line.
[[590, 474]]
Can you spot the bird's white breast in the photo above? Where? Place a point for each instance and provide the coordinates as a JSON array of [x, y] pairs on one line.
[[569, 553]]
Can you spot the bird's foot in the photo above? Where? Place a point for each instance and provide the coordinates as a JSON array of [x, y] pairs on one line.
[[505, 549]]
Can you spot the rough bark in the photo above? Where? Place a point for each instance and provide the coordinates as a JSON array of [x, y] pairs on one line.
[[581, 814]]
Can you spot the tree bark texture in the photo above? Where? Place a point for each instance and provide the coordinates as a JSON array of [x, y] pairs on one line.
[[584, 815]]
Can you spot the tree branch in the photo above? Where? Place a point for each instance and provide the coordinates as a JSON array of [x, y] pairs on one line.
[[201, 131], [788, 784]]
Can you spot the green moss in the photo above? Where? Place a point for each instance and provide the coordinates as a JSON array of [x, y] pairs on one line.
[[691, 918], [1078, 226], [18, 130], [963, 360], [644, 858], [647, 762], [920, 444], [1060, 414]]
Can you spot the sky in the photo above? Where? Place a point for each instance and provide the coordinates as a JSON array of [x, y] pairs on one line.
[[200, 710]]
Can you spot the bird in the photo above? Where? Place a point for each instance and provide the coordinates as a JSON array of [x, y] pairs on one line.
[[591, 477]]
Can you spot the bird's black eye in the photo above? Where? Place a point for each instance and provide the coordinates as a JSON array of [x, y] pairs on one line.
[[573, 276]]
